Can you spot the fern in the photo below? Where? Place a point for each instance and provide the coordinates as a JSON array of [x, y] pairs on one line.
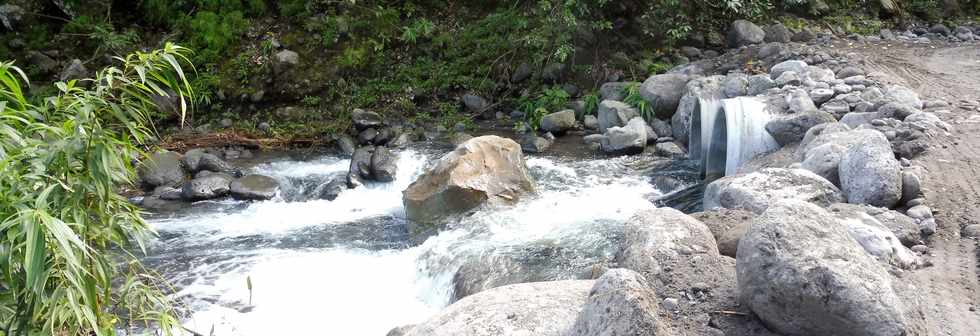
[[634, 99]]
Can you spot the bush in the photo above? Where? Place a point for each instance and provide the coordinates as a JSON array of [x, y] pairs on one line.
[[68, 239]]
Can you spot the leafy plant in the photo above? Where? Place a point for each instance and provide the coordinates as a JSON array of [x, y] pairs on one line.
[[633, 98], [63, 227], [535, 107], [311, 101], [591, 104], [421, 28]]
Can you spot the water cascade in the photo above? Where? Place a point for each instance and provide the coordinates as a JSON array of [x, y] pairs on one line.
[[728, 132], [303, 266]]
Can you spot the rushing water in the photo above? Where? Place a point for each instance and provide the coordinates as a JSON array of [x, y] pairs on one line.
[[348, 267]]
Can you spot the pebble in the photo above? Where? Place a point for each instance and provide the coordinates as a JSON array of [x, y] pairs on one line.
[[972, 231], [671, 304], [916, 202]]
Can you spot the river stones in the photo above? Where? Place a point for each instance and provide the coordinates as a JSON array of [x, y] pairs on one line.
[[620, 303], [743, 33], [802, 273], [792, 128], [614, 90], [207, 187], [161, 169], [664, 92], [697, 89], [756, 191], [629, 139], [365, 119], [794, 66], [486, 169], [869, 172], [384, 165], [558, 122], [824, 160], [527, 309], [615, 114], [254, 187]]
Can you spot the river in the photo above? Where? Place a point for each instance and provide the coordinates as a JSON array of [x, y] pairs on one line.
[[296, 265]]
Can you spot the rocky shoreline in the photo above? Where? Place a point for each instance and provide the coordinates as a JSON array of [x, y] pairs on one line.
[[811, 233]]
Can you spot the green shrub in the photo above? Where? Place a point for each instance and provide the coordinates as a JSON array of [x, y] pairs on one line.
[[68, 239], [633, 98]]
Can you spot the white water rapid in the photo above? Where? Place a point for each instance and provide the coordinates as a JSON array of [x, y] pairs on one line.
[[348, 267]]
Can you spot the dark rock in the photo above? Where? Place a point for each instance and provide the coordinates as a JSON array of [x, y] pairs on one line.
[[366, 137], [254, 187], [360, 166], [162, 169], [345, 145], [793, 128], [558, 122], [520, 74], [383, 165], [664, 93], [614, 114], [207, 187], [778, 33], [365, 119], [803, 36], [743, 33]]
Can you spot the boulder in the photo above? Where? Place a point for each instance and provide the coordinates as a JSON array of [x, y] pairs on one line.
[[849, 71], [527, 309], [365, 119], [661, 128], [532, 143], [384, 165], [669, 150], [558, 122], [794, 66], [475, 104], [735, 85], [743, 33], [792, 128], [614, 114], [590, 122], [758, 190], [334, 187], [211, 162], [360, 166], [614, 90], [481, 170], [911, 186], [161, 169], [664, 92], [207, 187], [660, 242], [855, 119], [727, 225], [869, 172], [522, 73], [488, 271], [630, 139], [836, 133], [895, 110], [820, 96], [254, 187], [620, 303], [287, 58], [904, 95], [903, 227], [802, 273], [789, 78], [778, 33], [74, 70], [824, 160], [759, 84]]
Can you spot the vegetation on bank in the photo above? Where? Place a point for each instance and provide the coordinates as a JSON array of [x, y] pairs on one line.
[[413, 59], [70, 243]]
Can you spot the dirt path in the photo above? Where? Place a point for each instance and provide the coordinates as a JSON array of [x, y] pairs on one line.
[[951, 287]]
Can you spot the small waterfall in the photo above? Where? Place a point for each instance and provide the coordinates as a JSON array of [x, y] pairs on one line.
[[728, 132]]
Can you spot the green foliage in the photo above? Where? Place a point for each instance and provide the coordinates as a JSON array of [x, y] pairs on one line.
[[421, 28], [633, 98], [213, 33], [311, 101], [535, 107], [591, 104], [675, 20], [64, 227]]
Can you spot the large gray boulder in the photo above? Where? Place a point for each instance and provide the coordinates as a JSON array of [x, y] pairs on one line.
[[254, 187], [629, 139], [481, 170], [778, 33], [802, 273], [161, 169], [474, 103], [869, 172], [207, 187], [558, 122], [793, 65], [758, 190], [662, 242], [527, 309], [792, 128], [664, 93], [903, 227], [621, 303], [743, 33], [835, 133], [903, 95], [614, 114]]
